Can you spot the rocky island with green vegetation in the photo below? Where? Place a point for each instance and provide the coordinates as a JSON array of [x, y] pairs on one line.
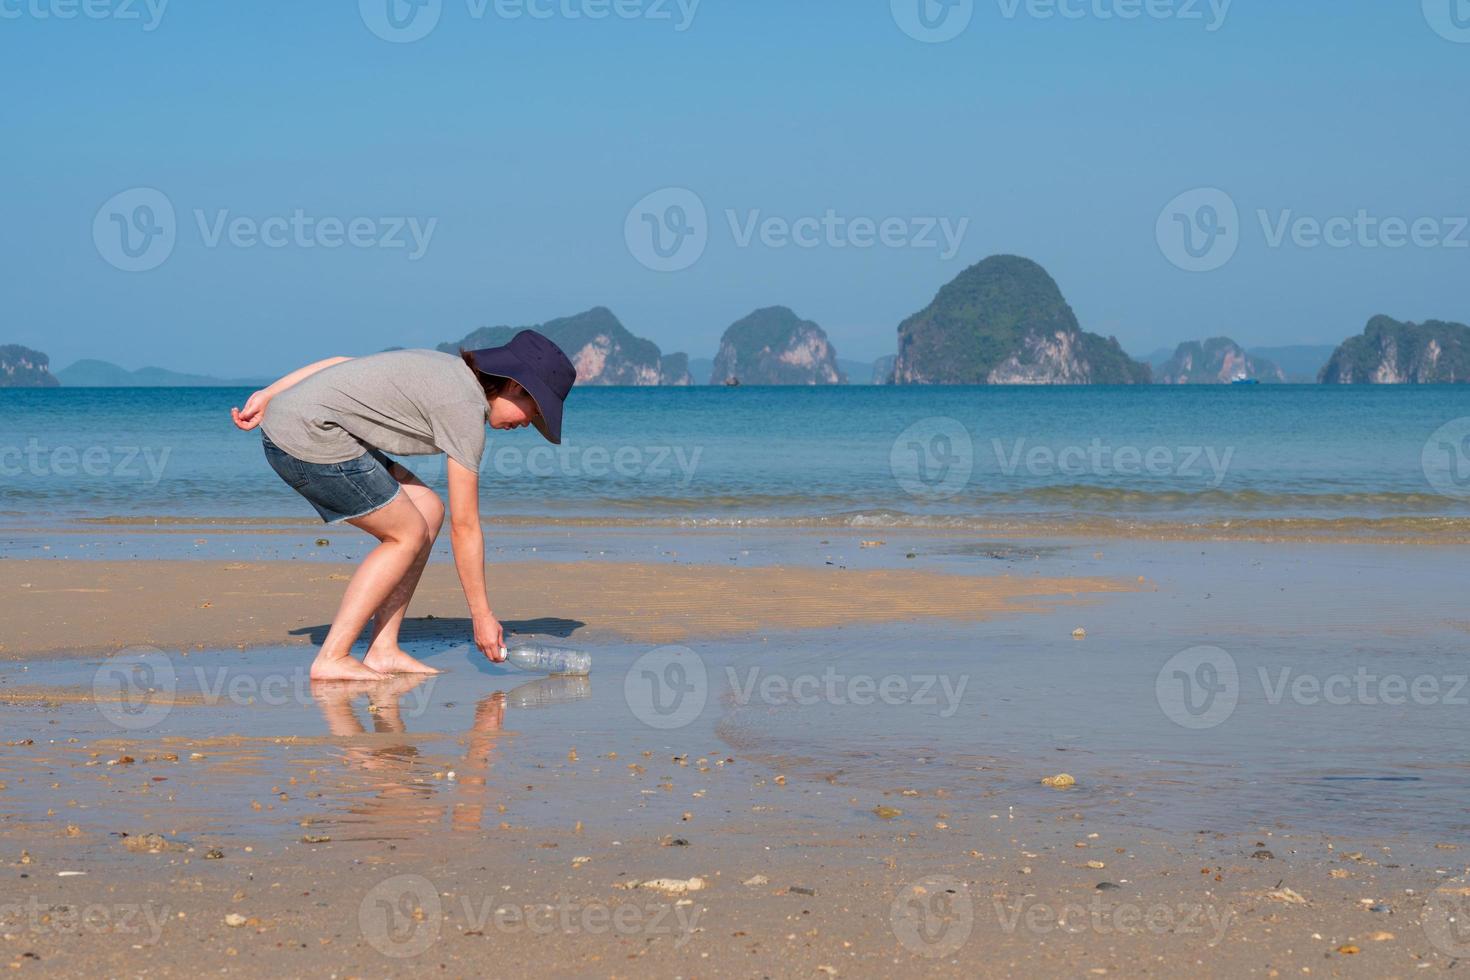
[[774, 346], [1391, 352], [1217, 361], [603, 350], [1004, 321], [21, 367]]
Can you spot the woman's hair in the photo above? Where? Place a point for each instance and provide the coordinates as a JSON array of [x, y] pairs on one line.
[[493, 386]]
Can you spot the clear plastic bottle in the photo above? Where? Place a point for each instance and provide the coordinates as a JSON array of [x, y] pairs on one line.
[[542, 659]]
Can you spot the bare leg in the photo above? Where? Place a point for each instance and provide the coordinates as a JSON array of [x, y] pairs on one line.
[[402, 533], [385, 655]]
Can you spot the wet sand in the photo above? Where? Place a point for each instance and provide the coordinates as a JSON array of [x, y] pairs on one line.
[[388, 831], [228, 816]]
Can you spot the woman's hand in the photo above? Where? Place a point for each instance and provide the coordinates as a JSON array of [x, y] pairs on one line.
[[253, 413], [489, 637]]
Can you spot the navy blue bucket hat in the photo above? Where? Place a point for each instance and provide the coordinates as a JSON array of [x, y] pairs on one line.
[[540, 367]]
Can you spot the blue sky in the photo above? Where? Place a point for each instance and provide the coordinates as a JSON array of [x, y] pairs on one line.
[[518, 145]]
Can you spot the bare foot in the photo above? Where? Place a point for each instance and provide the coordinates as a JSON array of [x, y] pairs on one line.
[[395, 661], [341, 669]]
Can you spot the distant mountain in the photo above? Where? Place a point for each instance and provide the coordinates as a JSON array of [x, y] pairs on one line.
[[602, 349], [21, 367], [1156, 359], [883, 370], [1391, 352], [101, 374], [1004, 321], [673, 369], [774, 346], [1302, 363], [1216, 361], [700, 369], [856, 372]]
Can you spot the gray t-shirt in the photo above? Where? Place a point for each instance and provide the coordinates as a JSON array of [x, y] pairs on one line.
[[406, 403]]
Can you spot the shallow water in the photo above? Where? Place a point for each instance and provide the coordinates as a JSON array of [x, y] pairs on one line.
[[1347, 715]]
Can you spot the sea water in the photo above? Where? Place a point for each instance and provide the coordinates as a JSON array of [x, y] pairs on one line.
[[854, 455]]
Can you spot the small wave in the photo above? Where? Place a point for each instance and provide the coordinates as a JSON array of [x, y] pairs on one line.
[[1385, 530]]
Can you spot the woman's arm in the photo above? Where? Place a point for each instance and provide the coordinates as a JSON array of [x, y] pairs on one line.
[[251, 415], [469, 557]]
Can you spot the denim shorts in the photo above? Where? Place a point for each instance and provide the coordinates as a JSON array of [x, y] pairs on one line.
[[339, 491]]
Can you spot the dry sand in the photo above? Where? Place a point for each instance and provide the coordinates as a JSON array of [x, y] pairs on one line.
[[63, 606]]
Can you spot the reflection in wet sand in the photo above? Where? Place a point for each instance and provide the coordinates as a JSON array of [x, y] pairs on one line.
[[400, 791], [545, 692]]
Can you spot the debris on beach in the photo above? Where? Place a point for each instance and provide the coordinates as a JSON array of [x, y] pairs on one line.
[[235, 920], [1288, 896], [887, 812], [150, 843], [670, 886], [755, 881], [1061, 780], [873, 544], [1079, 633]]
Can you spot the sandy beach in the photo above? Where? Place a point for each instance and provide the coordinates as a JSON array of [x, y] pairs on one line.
[[103, 606], [174, 786]]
